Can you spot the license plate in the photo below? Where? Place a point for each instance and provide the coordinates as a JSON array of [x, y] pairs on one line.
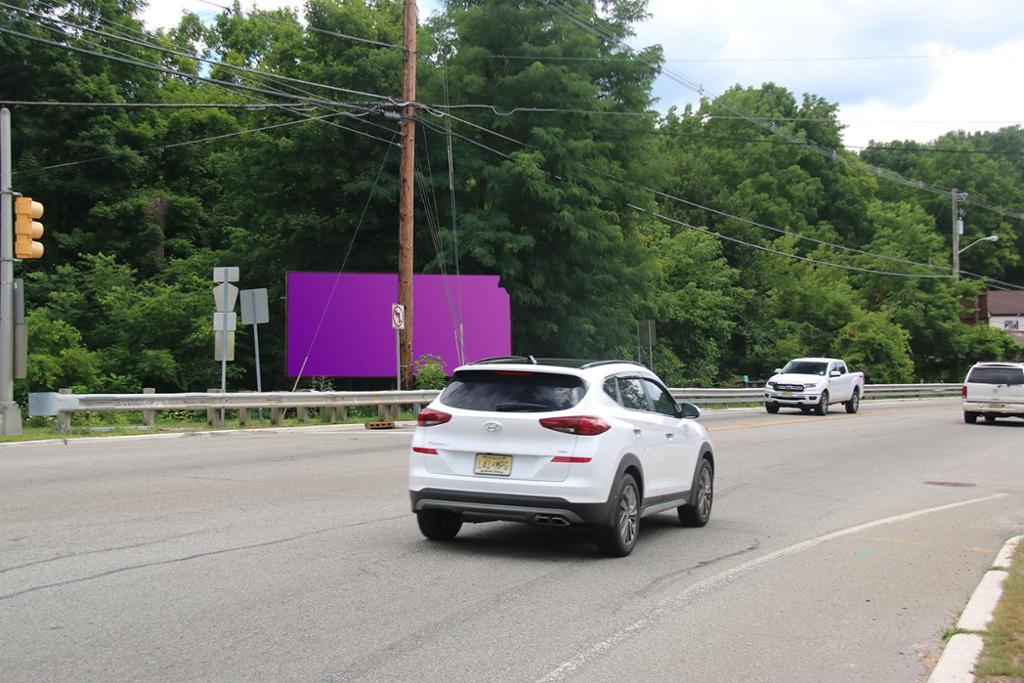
[[787, 394], [499, 465]]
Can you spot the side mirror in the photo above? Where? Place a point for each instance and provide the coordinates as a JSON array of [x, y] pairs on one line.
[[835, 373], [688, 411], [778, 371]]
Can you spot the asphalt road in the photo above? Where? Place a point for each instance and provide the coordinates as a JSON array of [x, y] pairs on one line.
[[839, 548]]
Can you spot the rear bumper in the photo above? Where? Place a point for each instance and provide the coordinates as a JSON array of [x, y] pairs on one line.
[[994, 408], [486, 507]]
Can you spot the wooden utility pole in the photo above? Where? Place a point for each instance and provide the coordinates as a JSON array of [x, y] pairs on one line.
[[405, 195]]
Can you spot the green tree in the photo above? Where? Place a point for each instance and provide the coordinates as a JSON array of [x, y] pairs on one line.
[[876, 346]]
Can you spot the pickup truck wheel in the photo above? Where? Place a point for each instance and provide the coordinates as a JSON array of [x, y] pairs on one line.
[[771, 409], [853, 405], [822, 407], [970, 417]]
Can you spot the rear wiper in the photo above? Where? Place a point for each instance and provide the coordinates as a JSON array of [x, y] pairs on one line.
[[513, 407]]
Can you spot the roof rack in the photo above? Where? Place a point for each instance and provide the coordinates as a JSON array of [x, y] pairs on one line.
[[505, 359], [595, 363], [578, 363]]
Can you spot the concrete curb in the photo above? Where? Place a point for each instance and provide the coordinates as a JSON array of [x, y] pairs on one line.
[[962, 651]]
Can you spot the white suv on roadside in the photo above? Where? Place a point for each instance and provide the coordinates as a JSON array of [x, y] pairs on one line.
[[556, 442], [993, 390]]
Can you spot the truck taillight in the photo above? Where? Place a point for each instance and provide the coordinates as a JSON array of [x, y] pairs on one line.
[[963, 391]]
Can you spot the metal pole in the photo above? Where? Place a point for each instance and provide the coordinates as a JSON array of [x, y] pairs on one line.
[[406, 195], [956, 236], [10, 424], [650, 343], [398, 359], [259, 377], [224, 348]]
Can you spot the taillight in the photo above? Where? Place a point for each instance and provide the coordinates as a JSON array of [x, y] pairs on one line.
[[570, 459], [430, 418], [580, 425], [425, 451], [963, 391]]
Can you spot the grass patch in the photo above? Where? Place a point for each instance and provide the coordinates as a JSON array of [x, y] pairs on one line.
[[116, 424], [1003, 656]]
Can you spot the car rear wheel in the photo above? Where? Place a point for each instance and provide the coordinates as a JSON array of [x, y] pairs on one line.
[[853, 405], [990, 418], [698, 511], [822, 407], [771, 409], [970, 417], [619, 539], [438, 525]]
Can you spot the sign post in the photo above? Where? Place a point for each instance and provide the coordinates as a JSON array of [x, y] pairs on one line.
[[398, 322], [224, 321], [255, 311]]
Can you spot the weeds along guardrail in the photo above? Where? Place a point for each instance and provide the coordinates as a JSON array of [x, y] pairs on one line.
[[334, 405]]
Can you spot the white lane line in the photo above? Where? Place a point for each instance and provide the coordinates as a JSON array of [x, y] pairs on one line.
[[701, 587]]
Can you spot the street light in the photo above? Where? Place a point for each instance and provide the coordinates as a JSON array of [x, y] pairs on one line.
[[990, 238]]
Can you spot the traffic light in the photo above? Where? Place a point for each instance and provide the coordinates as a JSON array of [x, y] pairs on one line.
[[26, 229]]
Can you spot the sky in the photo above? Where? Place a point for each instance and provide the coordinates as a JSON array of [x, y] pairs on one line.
[[898, 69]]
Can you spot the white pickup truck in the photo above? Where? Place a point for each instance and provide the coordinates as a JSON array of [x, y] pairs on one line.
[[814, 384]]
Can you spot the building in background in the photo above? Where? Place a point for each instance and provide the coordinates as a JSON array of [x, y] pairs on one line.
[[1003, 310]]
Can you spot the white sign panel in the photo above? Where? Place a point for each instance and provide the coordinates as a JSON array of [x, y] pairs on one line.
[[398, 316], [222, 321], [229, 274], [255, 310], [218, 346]]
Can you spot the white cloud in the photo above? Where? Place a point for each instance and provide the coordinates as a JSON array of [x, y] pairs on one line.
[[977, 47]]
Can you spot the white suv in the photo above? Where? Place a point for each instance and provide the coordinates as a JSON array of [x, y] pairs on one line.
[[554, 443], [993, 390]]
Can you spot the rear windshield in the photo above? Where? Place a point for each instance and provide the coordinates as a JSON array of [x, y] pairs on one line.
[[805, 367], [513, 391], [996, 376]]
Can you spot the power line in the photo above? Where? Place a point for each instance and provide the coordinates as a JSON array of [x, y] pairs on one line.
[[809, 259], [740, 60], [198, 58], [724, 214], [767, 124], [155, 105], [184, 143], [745, 220], [215, 82]]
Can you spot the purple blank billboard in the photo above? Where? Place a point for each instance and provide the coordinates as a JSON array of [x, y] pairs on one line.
[[356, 338]]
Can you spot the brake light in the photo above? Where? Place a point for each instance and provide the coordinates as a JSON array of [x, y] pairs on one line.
[[429, 417], [963, 391], [580, 425], [513, 373], [425, 451], [569, 458]]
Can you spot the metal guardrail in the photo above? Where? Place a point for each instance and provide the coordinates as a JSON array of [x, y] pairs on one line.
[[756, 394], [64, 405]]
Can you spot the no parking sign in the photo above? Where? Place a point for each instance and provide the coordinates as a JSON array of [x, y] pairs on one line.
[[398, 316]]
